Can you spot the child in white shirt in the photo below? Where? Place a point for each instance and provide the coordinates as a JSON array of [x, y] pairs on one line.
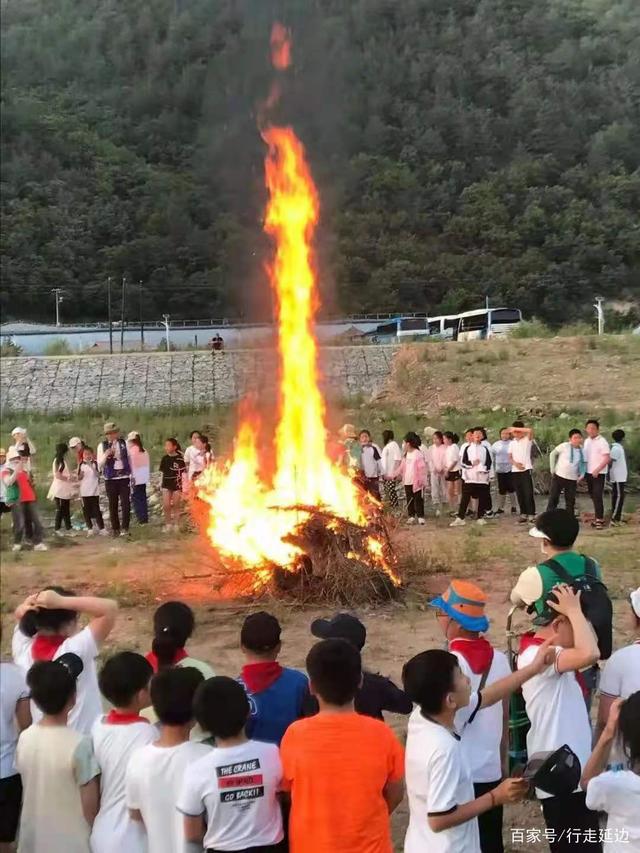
[[124, 683], [58, 770], [617, 792], [618, 473], [156, 771], [15, 716], [48, 627], [89, 477]]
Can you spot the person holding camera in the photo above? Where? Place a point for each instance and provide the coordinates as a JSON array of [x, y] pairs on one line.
[[114, 464]]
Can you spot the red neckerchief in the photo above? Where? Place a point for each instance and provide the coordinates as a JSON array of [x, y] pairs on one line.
[[258, 676], [530, 639], [45, 646], [180, 654], [478, 653], [119, 718]]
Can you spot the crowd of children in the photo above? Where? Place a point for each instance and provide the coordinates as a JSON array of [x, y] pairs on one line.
[[456, 473], [156, 753]]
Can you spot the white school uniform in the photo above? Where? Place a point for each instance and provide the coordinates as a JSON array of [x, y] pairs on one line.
[[595, 451], [617, 794], [113, 745], [452, 457], [391, 457], [557, 710], [520, 450], [618, 471], [438, 780], [153, 783], [235, 789], [90, 482], [88, 705], [13, 688]]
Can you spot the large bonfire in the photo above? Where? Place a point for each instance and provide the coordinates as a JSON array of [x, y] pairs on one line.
[[310, 521]]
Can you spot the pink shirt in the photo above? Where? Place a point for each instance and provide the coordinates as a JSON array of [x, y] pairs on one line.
[[595, 451], [413, 470], [438, 458]]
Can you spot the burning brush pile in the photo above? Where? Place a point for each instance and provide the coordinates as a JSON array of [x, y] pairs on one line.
[[309, 530]]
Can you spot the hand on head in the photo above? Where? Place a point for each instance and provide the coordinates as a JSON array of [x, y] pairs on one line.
[[567, 600]]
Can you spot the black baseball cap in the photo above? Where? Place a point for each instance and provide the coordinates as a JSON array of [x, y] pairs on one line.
[[72, 663], [343, 626], [260, 632]]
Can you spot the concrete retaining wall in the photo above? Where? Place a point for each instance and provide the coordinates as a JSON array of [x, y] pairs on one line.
[[181, 378]]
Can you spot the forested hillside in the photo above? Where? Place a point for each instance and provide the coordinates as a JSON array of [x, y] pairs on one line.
[[461, 148]]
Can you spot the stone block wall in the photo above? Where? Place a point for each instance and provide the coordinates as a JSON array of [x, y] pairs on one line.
[[68, 383]]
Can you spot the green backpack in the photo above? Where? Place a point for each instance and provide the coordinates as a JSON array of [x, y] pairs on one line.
[[12, 494]]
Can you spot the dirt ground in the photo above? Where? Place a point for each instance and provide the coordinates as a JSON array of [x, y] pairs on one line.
[[153, 568]]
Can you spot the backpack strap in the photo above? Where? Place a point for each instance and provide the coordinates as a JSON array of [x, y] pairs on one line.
[[485, 675], [559, 570], [589, 567]]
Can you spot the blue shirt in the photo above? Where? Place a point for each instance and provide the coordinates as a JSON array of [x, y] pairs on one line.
[[275, 708]]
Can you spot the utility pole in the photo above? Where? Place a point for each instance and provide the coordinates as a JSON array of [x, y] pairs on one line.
[[124, 284], [109, 315], [166, 325], [140, 309], [599, 306], [57, 291]]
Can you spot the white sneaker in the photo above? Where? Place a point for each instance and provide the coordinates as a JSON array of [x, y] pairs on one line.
[[458, 522], [103, 532], [60, 533], [481, 521], [124, 533], [91, 532], [17, 547], [421, 521], [438, 513], [411, 520], [40, 547]]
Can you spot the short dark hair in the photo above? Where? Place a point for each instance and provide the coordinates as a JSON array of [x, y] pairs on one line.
[[365, 431], [122, 676], [172, 692], [618, 435], [438, 433], [52, 686], [221, 706], [518, 424], [173, 441], [44, 618], [335, 670], [575, 432], [413, 439], [629, 727], [85, 447], [194, 432], [387, 436], [559, 526], [428, 677], [594, 422], [260, 632]]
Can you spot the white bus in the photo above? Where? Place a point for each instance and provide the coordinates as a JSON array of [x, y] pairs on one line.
[[487, 323]]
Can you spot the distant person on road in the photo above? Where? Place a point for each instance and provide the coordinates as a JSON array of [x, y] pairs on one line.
[[21, 497], [63, 489], [140, 476], [391, 456], [89, 477], [172, 468], [522, 470], [598, 457], [113, 462], [500, 450], [371, 458], [568, 467], [617, 476]]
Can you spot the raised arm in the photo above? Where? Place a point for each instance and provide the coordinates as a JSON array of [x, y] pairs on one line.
[[598, 759], [585, 651], [102, 610]]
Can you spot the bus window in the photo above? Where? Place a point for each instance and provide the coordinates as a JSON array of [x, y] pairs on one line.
[[434, 327], [475, 323], [500, 316], [413, 324]]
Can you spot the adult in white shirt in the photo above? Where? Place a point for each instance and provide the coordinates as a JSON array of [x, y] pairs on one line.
[[48, 627], [521, 469], [597, 457], [620, 678], [390, 459], [568, 467], [15, 716], [617, 792], [618, 474]]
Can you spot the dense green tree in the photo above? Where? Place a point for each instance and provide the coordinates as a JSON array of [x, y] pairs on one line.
[[462, 148]]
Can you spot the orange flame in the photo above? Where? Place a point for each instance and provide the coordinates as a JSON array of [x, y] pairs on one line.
[[280, 47], [249, 519]]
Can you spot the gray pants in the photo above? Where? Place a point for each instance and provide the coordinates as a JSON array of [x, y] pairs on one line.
[[23, 514]]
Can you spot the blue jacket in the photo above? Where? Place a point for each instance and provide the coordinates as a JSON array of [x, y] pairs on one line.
[[275, 708]]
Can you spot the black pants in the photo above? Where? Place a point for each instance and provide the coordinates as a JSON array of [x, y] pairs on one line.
[[140, 505], [91, 512], [118, 492], [523, 484], [596, 493], [10, 806], [617, 500], [568, 819], [415, 502], [475, 490], [63, 513], [489, 823], [372, 485], [558, 486], [505, 483]]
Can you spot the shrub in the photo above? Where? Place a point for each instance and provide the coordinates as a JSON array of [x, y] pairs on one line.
[[8, 349], [59, 346], [531, 329]]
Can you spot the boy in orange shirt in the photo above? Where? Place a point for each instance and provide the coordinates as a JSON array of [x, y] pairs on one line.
[[344, 771]]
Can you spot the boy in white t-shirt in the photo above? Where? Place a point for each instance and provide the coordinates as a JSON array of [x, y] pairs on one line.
[[229, 797], [597, 457], [443, 810], [124, 682], [618, 473], [58, 770], [48, 627], [617, 792], [15, 716], [520, 450], [558, 713], [155, 772], [462, 619], [620, 678]]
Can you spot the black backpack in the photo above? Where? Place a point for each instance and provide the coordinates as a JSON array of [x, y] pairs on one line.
[[594, 599]]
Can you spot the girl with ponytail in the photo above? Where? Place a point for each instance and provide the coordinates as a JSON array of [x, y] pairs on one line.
[[173, 625]]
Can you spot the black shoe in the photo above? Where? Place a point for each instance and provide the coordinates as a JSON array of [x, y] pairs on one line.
[[514, 511], [499, 512]]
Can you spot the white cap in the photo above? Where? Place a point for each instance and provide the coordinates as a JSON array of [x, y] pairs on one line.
[[133, 434], [537, 534], [18, 430], [635, 601], [74, 442]]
